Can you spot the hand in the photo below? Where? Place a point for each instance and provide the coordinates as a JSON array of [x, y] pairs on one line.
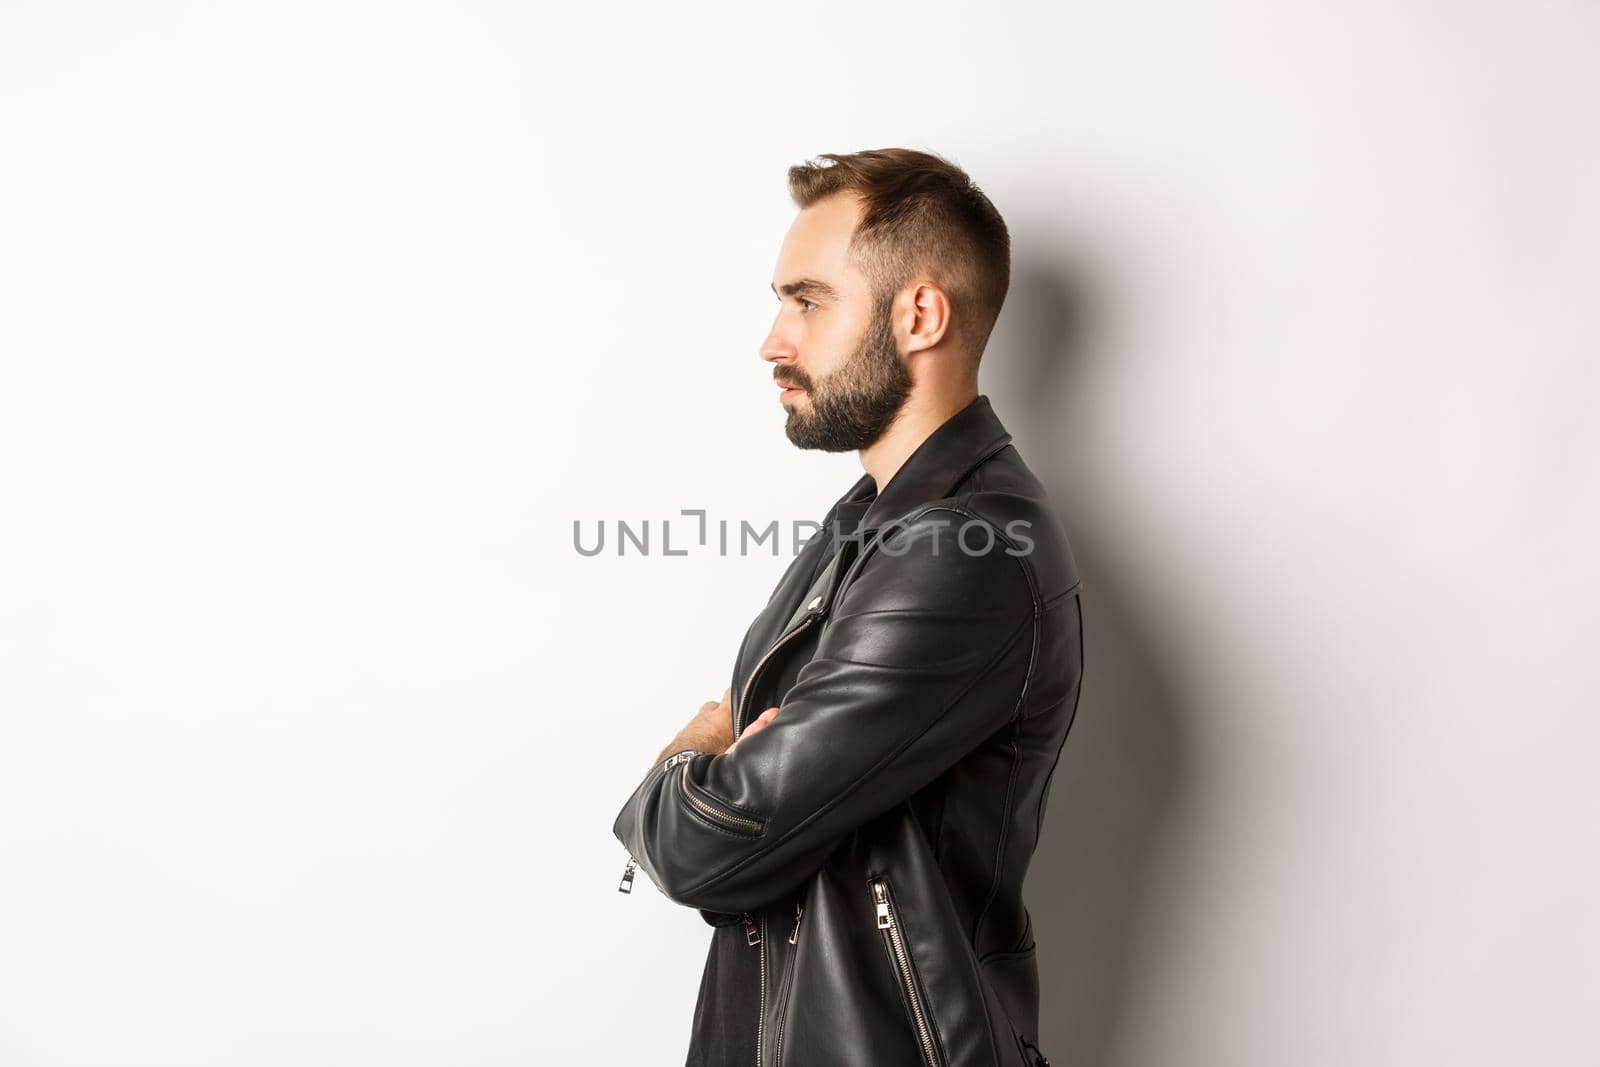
[[714, 723], [711, 729], [760, 723]]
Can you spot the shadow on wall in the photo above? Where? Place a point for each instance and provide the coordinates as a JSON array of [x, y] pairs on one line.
[[1117, 782]]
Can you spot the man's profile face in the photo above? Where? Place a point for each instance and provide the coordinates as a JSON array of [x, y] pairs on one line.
[[833, 338]]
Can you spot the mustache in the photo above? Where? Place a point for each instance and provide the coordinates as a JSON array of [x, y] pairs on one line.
[[794, 380]]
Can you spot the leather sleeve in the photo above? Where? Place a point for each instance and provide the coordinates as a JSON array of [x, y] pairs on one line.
[[924, 655]]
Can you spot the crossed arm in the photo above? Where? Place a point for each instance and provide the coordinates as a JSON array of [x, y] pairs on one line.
[[925, 655]]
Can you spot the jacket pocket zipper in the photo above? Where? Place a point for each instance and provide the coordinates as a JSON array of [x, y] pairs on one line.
[[896, 943], [784, 982], [753, 936], [716, 812]]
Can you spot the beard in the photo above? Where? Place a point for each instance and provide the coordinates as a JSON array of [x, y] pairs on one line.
[[852, 407]]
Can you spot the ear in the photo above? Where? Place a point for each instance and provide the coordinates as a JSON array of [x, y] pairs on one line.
[[927, 317]]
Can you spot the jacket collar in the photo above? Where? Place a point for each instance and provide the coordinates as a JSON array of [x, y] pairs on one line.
[[932, 471]]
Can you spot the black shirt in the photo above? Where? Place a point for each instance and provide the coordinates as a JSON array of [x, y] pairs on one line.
[[724, 1032]]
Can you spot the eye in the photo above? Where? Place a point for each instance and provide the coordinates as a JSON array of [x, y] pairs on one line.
[[805, 304]]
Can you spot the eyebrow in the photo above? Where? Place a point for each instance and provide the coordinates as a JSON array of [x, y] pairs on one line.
[[806, 287]]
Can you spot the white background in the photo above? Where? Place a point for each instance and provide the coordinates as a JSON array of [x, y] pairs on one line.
[[322, 322]]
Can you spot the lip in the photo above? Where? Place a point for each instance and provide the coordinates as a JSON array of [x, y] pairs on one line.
[[789, 393]]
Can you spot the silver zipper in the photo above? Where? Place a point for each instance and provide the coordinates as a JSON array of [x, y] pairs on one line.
[[785, 985], [761, 1011], [902, 961], [715, 812], [815, 609]]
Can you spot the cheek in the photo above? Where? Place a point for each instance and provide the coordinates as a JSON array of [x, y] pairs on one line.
[[828, 347]]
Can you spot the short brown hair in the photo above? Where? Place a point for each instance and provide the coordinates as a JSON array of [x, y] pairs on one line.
[[920, 212]]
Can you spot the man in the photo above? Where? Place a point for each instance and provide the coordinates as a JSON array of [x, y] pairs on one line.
[[855, 816]]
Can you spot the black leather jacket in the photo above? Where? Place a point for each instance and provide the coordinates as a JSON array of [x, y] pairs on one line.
[[875, 835]]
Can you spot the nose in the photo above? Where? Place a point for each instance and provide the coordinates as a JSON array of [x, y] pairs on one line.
[[778, 350]]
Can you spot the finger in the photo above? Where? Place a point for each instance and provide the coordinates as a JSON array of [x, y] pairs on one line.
[[727, 694]]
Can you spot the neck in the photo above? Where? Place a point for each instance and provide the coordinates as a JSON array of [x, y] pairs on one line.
[[919, 417]]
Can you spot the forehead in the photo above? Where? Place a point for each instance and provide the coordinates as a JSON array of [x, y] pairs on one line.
[[817, 244]]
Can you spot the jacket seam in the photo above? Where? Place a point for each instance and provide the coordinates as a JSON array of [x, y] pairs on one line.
[[1077, 692], [1016, 720], [1063, 594], [1000, 843], [1009, 954]]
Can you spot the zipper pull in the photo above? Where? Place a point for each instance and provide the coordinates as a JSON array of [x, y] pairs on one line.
[[795, 934], [627, 875], [752, 936], [884, 919]]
